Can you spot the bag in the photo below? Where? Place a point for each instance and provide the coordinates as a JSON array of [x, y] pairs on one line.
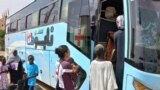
[[13, 66]]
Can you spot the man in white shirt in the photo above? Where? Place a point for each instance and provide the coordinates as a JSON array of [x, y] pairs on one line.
[[101, 73]]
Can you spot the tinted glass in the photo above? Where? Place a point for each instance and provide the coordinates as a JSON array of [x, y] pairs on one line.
[[145, 31]]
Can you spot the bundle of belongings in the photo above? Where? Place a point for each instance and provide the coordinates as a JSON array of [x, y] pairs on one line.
[[110, 13]]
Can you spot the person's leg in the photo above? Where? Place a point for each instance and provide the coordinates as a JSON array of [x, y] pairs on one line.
[[31, 87]]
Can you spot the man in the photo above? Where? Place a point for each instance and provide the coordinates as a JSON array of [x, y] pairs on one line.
[[101, 73]]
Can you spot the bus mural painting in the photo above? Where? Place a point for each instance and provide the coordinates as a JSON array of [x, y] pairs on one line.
[[39, 40]]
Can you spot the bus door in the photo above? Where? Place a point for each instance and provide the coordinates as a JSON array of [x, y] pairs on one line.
[[105, 22]]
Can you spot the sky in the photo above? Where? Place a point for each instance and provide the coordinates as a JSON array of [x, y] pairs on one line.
[[13, 5]]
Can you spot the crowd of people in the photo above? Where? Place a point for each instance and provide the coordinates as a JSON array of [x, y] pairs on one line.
[[102, 74], [70, 76], [19, 79]]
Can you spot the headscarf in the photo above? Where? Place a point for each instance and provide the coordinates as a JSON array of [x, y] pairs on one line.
[[13, 58], [120, 22]]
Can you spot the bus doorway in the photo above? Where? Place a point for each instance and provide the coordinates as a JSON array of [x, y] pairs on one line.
[[106, 27], [106, 15], [107, 12]]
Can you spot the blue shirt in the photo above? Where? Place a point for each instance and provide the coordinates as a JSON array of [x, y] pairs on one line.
[[31, 71]]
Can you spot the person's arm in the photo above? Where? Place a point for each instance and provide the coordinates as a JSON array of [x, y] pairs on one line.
[[75, 66], [35, 75]]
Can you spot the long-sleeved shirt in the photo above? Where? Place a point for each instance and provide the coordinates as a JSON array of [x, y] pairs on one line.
[[102, 76], [65, 76]]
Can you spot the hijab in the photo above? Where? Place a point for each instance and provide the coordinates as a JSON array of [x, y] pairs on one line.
[[120, 22]]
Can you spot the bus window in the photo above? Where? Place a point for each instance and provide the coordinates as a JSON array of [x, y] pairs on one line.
[[49, 14], [64, 10], [32, 20], [8, 28], [145, 27], [18, 27], [35, 18], [43, 13], [22, 24], [78, 25], [53, 13], [14, 26], [29, 21]]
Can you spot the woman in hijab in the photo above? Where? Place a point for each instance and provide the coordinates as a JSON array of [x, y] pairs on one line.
[[119, 46], [15, 67]]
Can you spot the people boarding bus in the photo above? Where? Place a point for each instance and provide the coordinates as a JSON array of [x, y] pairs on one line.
[[42, 26]]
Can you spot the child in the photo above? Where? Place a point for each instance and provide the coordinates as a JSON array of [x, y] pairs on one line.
[[23, 84], [81, 74], [3, 75], [66, 73], [32, 72]]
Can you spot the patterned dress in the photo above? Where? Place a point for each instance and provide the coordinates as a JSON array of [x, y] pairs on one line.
[[3, 77]]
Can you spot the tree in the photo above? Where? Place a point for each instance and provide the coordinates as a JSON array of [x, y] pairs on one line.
[[2, 34]]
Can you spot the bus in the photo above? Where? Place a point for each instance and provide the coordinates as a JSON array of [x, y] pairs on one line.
[[44, 25]]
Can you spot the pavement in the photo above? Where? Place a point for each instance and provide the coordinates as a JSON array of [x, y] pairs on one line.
[[38, 87]]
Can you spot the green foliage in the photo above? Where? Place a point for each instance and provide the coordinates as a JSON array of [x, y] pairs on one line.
[[2, 33]]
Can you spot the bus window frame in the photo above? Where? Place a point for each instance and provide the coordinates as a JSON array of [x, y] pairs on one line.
[[14, 25], [28, 20], [7, 28], [18, 26], [46, 7]]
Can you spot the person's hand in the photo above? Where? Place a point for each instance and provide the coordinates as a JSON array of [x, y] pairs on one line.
[[74, 68]]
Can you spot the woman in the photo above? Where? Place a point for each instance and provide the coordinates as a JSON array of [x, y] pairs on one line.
[[3, 75], [15, 67], [101, 73], [119, 46], [66, 72]]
